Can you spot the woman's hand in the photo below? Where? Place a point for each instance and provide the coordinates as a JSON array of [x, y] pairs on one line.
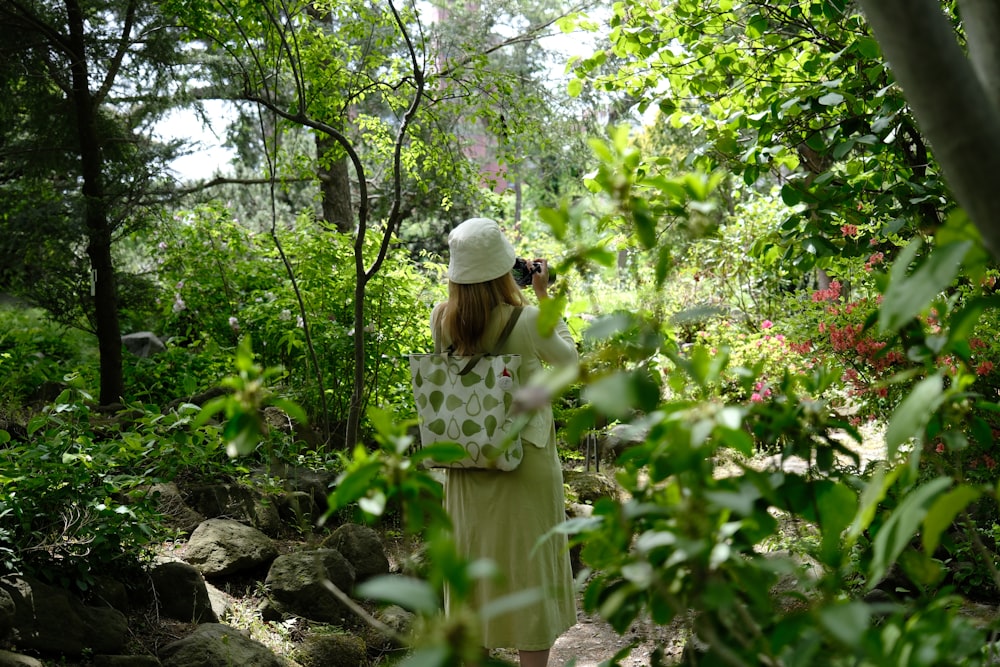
[[540, 277]]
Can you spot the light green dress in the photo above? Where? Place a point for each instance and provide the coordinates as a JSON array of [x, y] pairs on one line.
[[502, 515]]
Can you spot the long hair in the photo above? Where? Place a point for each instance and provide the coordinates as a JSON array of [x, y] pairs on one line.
[[468, 310]]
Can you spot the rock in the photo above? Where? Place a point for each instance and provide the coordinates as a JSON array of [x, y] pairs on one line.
[[620, 437], [214, 644], [306, 492], [589, 487], [51, 619], [235, 502], [6, 614], [362, 547], [9, 659], [110, 592], [143, 343], [175, 511], [296, 584], [180, 592], [398, 620], [126, 661], [331, 650], [223, 546], [220, 601]]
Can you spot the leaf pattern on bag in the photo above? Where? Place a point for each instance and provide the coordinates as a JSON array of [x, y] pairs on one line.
[[470, 409]]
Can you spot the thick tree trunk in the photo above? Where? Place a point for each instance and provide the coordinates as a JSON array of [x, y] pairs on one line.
[[953, 102], [105, 292], [335, 186]]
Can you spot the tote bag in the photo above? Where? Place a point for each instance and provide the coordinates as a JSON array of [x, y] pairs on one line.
[[467, 400]]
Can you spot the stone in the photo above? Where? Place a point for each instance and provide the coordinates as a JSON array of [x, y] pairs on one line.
[[126, 661], [214, 644], [220, 547], [220, 601], [362, 547], [235, 502], [6, 614], [297, 584], [331, 650], [10, 659], [51, 619], [176, 512], [143, 343], [180, 592], [399, 622], [589, 487]]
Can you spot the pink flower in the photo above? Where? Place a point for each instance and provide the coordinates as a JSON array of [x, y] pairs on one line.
[[984, 368], [766, 324], [849, 230], [756, 398]]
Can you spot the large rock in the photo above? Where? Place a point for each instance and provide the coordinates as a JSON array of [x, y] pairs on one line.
[[9, 659], [126, 661], [398, 623], [6, 614], [234, 502], [214, 644], [143, 343], [181, 593], [222, 546], [170, 503], [589, 487], [297, 584], [51, 619], [361, 546], [331, 650]]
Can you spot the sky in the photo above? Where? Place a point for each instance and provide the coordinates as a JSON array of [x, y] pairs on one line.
[[207, 154]]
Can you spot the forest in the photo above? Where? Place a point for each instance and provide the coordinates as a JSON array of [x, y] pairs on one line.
[[774, 230]]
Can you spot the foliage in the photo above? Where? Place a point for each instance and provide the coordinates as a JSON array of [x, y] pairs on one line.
[[220, 282], [794, 94], [244, 427], [35, 351]]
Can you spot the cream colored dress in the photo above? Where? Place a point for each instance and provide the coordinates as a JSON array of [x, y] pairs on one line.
[[502, 515]]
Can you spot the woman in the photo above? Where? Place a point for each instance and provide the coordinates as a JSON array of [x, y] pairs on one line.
[[502, 515]]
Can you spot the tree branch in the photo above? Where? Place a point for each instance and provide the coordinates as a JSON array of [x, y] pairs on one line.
[[123, 47]]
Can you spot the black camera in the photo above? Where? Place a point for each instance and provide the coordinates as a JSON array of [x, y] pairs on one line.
[[522, 275]]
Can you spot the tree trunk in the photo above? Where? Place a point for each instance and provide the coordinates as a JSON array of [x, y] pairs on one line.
[[104, 292], [951, 100], [335, 185]]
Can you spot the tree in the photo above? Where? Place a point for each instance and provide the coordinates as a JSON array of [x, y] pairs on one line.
[[85, 80], [370, 85], [951, 77], [793, 94]]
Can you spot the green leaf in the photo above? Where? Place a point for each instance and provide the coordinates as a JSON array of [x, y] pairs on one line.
[[942, 514], [831, 99], [291, 408], [574, 87], [413, 594], [906, 296], [912, 414], [898, 530], [442, 452], [354, 484], [836, 504], [847, 621], [4, 437]]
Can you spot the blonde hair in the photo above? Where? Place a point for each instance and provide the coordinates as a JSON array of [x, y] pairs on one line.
[[468, 309]]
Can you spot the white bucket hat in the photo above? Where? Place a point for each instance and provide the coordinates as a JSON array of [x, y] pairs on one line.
[[479, 252]]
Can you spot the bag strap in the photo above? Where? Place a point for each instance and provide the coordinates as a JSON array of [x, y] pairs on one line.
[[500, 341]]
